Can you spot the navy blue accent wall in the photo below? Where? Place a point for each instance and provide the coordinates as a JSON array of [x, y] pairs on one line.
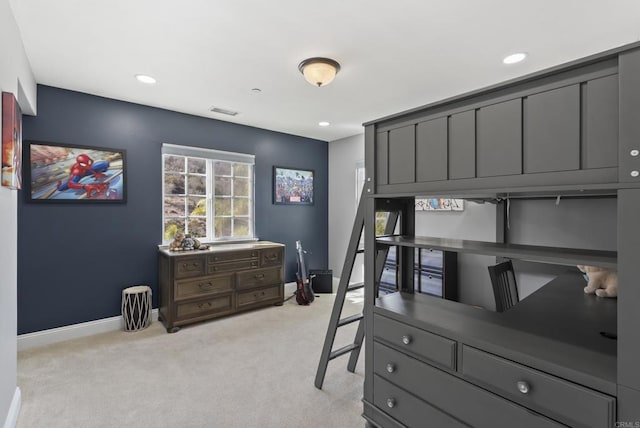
[[74, 260]]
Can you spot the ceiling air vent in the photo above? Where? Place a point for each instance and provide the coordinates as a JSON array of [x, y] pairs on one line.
[[223, 111]]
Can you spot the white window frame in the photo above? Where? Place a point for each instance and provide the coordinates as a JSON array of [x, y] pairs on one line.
[[211, 156]]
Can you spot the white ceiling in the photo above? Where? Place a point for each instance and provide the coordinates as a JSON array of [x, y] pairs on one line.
[[395, 55]]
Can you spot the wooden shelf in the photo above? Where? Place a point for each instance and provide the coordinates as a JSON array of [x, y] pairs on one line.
[[534, 253]]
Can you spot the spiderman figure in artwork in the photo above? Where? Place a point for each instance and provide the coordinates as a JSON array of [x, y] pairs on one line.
[[86, 167]]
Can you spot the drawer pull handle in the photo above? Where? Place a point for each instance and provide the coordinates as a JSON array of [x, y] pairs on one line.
[[259, 276], [188, 265], [391, 403], [523, 387], [271, 257], [204, 305], [205, 285], [406, 339], [391, 368]]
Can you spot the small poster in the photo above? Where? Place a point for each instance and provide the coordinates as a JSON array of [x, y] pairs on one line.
[[439, 204]]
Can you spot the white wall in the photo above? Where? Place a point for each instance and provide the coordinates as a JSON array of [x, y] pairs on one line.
[[15, 77], [343, 156]]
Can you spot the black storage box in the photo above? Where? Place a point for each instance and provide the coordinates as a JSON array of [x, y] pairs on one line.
[[321, 280]]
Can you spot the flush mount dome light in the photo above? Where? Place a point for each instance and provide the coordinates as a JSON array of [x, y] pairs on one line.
[[145, 79], [323, 123], [319, 71], [514, 58]]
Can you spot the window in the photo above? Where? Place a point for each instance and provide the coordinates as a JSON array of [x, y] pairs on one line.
[[207, 194]]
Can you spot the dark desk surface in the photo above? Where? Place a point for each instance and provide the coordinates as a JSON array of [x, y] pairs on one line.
[[556, 329], [560, 310]]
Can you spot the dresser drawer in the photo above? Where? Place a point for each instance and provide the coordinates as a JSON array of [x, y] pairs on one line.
[[468, 403], [248, 298], [232, 266], [258, 278], [187, 288], [225, 256], [187, 267], [562, 400], [407, 409], [436, 349], [271, 256], [205, 307]]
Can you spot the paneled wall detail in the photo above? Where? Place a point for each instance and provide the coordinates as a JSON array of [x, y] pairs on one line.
[[569, 124]]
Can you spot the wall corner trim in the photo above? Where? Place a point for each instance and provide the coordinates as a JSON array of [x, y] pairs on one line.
[[75, 331], [14, 410]]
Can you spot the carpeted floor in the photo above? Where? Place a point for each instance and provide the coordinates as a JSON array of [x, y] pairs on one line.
[[254, 369]]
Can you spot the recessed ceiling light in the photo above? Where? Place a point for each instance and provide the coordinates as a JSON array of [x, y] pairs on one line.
[[324, 123], [514, 58], [145, 79]]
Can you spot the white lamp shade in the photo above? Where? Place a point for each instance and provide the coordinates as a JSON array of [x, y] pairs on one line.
[[319, 71]]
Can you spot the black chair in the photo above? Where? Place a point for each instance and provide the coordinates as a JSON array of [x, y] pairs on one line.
[[505, 289]]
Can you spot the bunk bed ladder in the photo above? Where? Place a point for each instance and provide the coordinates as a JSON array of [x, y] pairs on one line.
[[344, 287]]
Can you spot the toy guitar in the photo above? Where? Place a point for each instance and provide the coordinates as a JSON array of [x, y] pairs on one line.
[[304, 293]]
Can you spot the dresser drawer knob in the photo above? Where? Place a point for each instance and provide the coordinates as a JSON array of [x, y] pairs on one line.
[[391, 368], [523, 387], [391, 402], [406, 339]]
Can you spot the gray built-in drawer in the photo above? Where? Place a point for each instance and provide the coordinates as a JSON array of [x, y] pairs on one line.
[[562, 400], [452, 395], [407, 409], [421, 343]]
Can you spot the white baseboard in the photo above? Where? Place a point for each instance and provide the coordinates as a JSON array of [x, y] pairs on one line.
[[75, 331], [14, 410]]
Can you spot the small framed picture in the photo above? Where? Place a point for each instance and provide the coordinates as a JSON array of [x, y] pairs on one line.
[[439, 204], [11, 142], [292, 186], [64, 173]]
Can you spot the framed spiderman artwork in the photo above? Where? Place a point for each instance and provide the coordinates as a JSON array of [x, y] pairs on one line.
[[63, 173]]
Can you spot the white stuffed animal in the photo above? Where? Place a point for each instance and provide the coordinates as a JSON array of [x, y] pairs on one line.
[[601, 282]]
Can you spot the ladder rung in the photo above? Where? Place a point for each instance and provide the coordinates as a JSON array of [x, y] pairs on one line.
[[343, 350], [350, 319], [356, 286]]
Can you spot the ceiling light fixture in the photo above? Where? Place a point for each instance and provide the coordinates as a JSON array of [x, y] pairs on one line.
[[323, 123], [145, 79], [319, 71], [514, 58]]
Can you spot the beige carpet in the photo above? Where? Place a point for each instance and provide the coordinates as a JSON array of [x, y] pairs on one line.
[[254, 369]]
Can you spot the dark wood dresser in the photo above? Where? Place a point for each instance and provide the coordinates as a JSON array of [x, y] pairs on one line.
[[225, 279]]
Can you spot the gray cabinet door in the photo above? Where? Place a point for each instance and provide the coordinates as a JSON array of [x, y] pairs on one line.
[[552, 130], [499, 139], [402, 153], [462, 145], [600, 117], [382, 158], [629, 142], [431, 150]]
